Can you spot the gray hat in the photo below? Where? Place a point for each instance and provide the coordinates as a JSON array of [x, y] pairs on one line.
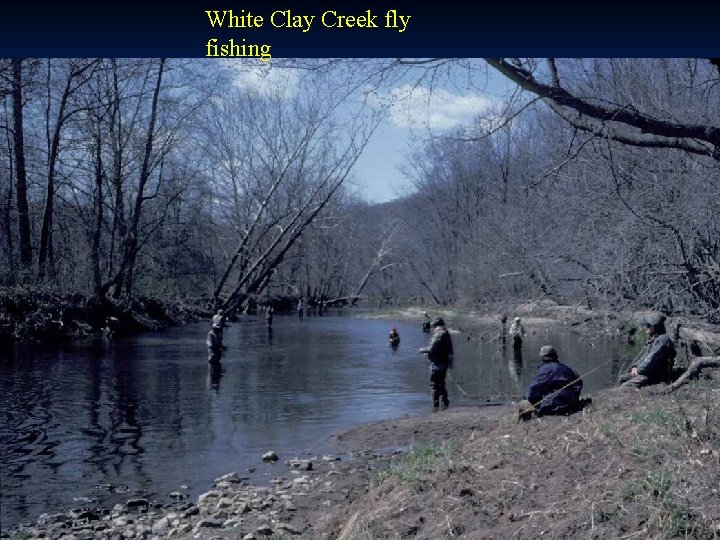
[[548, 351], [438, 322], [654, 319]]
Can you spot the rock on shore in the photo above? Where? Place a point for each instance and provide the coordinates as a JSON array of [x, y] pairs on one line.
[[232, 508]]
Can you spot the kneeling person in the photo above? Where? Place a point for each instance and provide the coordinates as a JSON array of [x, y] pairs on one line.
[[555, 389]]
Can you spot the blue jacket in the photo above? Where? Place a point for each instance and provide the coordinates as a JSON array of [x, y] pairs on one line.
[[552, 376]]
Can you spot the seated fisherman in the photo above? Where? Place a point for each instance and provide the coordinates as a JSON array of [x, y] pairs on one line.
[[656, 360], [555, 389]]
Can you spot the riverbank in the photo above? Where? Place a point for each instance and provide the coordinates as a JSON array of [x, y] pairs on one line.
[[36, 315], [638, 463], [536, 315], [634, 463]]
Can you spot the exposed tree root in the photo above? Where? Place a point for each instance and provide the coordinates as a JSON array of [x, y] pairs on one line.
[[694, 369]]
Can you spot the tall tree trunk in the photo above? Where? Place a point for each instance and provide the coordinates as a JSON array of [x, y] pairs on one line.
[[119, 226], [47, 223], [95, 247], [131, 243], [20, 172], [74, 75], [7, 211], [7, 231]]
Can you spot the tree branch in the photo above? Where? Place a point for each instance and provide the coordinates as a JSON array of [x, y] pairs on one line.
[[653, 132]]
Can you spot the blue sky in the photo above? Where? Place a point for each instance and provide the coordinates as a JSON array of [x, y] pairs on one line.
[[414, 113], [414, 117]]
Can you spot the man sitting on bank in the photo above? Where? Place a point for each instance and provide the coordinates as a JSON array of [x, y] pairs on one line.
[[555, 389], [656, 361]]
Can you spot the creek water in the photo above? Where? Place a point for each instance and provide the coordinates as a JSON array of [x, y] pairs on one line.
[[93, 422]]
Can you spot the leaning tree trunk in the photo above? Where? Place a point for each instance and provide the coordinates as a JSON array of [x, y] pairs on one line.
[[694, 369]]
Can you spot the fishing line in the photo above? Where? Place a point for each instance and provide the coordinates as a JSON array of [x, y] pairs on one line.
[[479, 396], [579, 378], [624, 364]]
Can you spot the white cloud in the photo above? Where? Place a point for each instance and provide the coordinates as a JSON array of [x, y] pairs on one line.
[[439, 109], [265, 79]]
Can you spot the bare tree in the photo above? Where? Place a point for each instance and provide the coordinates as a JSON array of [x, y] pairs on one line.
[[78, 74], [624, 122], [20, 170], [286, 159]]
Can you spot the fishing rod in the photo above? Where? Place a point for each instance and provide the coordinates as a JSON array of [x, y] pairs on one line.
[[578, 379]]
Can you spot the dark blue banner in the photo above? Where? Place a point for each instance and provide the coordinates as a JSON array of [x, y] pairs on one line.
[[370, 28]]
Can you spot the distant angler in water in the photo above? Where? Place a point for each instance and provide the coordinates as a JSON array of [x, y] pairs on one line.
[[394, 338], [517, 333], [214, 345]]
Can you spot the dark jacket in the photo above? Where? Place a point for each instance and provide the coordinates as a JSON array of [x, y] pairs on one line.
[[657, 359], [550, 378], [440, 350]]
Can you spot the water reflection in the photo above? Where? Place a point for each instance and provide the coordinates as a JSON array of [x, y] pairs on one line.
[[515, 367], [148, 411], [216, 371]]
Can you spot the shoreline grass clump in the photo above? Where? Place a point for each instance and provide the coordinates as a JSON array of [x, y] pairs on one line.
[[420, 462]]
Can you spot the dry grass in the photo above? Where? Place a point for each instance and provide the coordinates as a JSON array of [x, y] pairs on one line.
[[634, 465]]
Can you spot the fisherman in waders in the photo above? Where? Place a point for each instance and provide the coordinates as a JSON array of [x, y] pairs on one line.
[[555, 389], [218, 322], [301, 309], [656, 361], [517, 332], [214, 345], [440, 354], [426, 322], [394, 338], [503, 328]]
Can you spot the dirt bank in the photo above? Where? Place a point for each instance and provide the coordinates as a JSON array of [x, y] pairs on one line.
[[634, 464], [30, 314]]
